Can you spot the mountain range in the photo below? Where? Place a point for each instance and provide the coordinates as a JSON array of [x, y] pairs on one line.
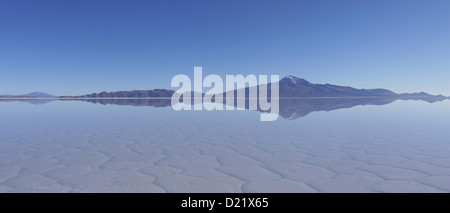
[[289, 87], [294, 87], [298, 97]]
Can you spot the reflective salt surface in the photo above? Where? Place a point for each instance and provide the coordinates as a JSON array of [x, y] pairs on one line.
[[76, 146]]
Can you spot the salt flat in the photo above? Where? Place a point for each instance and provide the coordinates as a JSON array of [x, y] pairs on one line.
[[84, 147]]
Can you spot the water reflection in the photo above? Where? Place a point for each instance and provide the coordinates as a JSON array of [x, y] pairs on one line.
[[290, 108]]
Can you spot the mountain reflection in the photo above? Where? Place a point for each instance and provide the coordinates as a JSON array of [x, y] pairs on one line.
[[296, 108], [289, 108]]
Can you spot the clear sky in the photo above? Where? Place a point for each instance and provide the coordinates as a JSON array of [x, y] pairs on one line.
[[67, 47]]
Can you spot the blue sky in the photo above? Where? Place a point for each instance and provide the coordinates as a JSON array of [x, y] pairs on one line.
[[79, 47]]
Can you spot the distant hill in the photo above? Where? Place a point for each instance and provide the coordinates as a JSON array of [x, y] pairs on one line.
[[30, 95], [39, 95]]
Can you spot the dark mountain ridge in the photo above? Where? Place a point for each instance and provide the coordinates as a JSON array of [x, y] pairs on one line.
[[155, 93]]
